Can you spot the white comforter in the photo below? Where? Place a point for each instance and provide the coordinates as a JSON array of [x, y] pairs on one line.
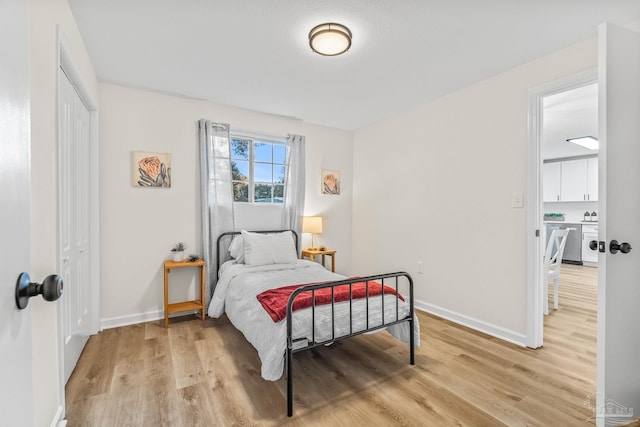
[[236, 291]]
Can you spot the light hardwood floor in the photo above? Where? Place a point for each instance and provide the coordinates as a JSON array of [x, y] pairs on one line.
[[206, 374]]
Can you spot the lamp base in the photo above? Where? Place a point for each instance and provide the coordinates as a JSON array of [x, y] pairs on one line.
[[312, 249]]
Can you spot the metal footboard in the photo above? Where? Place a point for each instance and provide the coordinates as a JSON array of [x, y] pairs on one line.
[[381, 278]]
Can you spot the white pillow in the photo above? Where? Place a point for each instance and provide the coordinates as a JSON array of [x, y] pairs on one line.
[[263, 249], [236, 249]]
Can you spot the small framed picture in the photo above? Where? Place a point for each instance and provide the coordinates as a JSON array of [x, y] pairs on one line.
[[330, 182], [151, 169]]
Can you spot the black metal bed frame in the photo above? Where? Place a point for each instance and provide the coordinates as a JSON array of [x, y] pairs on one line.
[[315, 287]]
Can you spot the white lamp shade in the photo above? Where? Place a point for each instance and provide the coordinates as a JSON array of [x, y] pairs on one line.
[[312, 224]]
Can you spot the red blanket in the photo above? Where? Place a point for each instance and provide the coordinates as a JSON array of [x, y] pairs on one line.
[[274, 301]]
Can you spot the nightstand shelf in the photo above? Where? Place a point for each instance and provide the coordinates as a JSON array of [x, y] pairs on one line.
[[179, 307], [312, 253], [184, 306]]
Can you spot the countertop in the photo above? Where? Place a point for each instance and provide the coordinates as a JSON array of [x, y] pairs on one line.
[[572, 222]]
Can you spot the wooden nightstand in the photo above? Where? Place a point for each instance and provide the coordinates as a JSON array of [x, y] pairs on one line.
[[185, 305], [311, 254]]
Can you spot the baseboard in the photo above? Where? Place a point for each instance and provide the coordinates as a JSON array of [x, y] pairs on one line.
[[470, 322], [58, 420], [132, 319]]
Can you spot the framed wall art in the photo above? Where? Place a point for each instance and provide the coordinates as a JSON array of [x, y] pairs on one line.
[[330, 182], [151, 169]]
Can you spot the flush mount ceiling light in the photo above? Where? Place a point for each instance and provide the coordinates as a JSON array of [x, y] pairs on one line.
[[590, 142], [330, 39]]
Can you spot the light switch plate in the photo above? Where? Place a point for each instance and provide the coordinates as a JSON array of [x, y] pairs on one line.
[[517, 199]]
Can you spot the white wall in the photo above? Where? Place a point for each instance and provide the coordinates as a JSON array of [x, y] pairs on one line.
[[45, 15], [435, 184], [139, 225]]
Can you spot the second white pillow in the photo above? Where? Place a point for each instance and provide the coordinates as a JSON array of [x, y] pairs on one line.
[[263, 249]]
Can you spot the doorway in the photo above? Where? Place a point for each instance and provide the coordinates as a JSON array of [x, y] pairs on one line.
[[570, 145], [558, 111]]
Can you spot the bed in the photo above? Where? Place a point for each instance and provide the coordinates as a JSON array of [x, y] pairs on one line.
[[274, 298]]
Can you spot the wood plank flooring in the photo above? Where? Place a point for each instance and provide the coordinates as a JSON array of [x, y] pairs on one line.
[[206, 374]]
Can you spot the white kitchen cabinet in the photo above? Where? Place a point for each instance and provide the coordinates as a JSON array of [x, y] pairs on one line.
[[574, 181], [589, 233], [570, 180], [551, 175]]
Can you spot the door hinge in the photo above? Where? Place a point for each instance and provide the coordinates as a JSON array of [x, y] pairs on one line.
[[537, 233]]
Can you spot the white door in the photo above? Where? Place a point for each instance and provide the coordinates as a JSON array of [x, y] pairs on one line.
[[74, 163], [618, 375], [16, 389]]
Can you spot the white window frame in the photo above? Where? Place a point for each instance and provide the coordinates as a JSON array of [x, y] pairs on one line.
[[251, 183]]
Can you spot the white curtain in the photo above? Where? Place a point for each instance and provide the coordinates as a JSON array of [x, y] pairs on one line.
[[295, 184], [216, 193]]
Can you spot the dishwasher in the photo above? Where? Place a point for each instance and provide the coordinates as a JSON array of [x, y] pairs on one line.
[[573, 247]]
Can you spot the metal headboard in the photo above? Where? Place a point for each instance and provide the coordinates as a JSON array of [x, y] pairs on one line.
[[225, 239]]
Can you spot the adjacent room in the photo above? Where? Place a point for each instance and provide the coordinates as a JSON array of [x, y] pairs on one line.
[[194, 170]]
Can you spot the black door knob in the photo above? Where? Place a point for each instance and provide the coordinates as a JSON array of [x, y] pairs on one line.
[[623, 247], [593, 245], [50, 289]]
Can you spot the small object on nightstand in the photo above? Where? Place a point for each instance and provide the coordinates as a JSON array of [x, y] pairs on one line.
[[311, 254], [177, 252]]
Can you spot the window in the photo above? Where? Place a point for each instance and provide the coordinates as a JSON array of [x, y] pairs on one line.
[[257, 170]]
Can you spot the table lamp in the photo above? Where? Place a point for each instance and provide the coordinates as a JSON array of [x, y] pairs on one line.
[[313, 225]]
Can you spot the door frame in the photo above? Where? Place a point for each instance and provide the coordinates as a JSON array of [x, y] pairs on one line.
[[534, 207], [66, 61]]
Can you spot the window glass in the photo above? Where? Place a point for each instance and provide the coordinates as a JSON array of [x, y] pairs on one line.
[[263, 193], [263, 172], [278, 174], [279, 154], [240, 191], [263, 152], [240, 170], [240, 149]]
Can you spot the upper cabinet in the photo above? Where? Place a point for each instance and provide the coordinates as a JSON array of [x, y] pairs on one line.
[[574, 181], [551, 176], [571, 180]]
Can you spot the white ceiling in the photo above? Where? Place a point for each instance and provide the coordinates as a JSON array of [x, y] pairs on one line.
[[254, 54], [569, 114]]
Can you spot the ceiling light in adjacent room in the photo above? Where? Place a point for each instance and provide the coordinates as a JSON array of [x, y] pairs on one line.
[[589, 142], [330, 39]]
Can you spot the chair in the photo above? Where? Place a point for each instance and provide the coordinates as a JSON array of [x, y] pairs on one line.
[[552, 263]]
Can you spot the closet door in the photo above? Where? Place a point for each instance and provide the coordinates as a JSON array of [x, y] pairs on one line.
[[74, 221]]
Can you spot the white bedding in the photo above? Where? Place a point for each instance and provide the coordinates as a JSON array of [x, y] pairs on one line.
[[236, 291]]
